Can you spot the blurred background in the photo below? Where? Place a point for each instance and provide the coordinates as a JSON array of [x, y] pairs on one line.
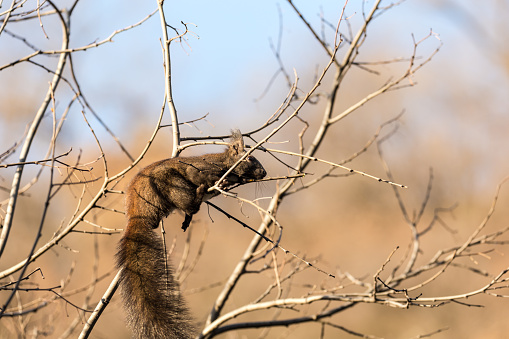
[[455, 121]]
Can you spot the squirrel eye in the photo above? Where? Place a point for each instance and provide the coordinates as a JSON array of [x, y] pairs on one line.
[[250, 158]]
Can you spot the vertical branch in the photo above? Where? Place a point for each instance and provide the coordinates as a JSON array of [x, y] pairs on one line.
[[241, 265], [358, 40], [329, 109], [274, 203], [167, 80], [176, 141], [46, 204], [16, 181], [8, 15], [89, 325]]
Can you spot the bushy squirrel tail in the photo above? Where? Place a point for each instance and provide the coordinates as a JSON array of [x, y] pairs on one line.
[[150, 294]]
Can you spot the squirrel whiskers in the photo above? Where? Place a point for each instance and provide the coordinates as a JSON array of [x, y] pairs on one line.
[[154, 306]]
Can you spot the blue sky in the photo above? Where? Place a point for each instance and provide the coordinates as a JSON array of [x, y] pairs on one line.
[[227, 64]]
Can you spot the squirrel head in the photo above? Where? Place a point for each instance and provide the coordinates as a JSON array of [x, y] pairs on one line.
[[250, 168]]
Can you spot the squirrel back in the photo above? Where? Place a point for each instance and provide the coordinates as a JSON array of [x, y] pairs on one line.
[[154, 306]]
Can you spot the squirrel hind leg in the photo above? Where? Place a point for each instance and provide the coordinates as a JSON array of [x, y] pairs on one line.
[[194, 206], [187, 222]]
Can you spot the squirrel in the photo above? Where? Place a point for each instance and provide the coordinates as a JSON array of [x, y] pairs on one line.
[[150, 293]]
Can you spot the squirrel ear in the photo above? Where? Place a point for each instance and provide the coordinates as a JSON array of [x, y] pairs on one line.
[[237, 142]]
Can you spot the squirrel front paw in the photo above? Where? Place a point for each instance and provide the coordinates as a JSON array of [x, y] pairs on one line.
[[224, 183]]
